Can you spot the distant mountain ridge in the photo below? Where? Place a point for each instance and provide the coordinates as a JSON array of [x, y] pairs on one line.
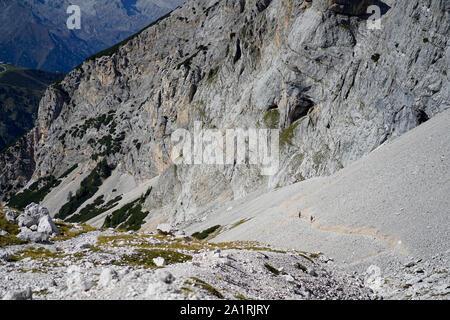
[[20, 92], [35, 34]]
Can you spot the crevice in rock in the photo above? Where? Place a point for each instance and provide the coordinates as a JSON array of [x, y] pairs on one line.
[[238, 54], [301, 109], [192, 92], [422, 117], [242, 6]]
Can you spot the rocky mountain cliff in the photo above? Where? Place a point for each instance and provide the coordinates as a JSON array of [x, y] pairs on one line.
[[20, 92], [334, 88], [35, 34]]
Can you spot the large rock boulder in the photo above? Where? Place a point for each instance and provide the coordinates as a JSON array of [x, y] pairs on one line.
[[32, 215], [166, 228], [28, 235], [34, 209], [11, 216], [47, 226], [28, 221], [159, 261]]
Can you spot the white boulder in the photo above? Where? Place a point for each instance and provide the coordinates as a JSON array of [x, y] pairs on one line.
[[46, 225], [28, 235], [166, 228], [31, 216], [159, 262], [11, 216]]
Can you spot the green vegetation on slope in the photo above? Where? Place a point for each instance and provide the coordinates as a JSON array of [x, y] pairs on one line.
[[205, 233], [94, 209], [35, 193], [88, 187], [38, 190], [129, 217], [12, 229]]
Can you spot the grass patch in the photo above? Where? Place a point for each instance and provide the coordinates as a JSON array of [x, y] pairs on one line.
[[306, 257], [246, 245], [212, 74], [205, 233], [41, 293], [375, 57], [272, 118], [144, 257], [7, 226], [10, 240], [112, 241], [237, 224], [96, 249], [314, 255], [203, 285], [287, 134], [140, 241], [272, 269], [68, 231], [34, 254], [301, 267], [12, 229]]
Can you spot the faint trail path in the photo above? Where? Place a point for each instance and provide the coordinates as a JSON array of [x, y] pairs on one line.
[[392, 202]]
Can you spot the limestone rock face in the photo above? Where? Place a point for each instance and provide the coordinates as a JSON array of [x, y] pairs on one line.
[[16, 165], [334, 89]]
